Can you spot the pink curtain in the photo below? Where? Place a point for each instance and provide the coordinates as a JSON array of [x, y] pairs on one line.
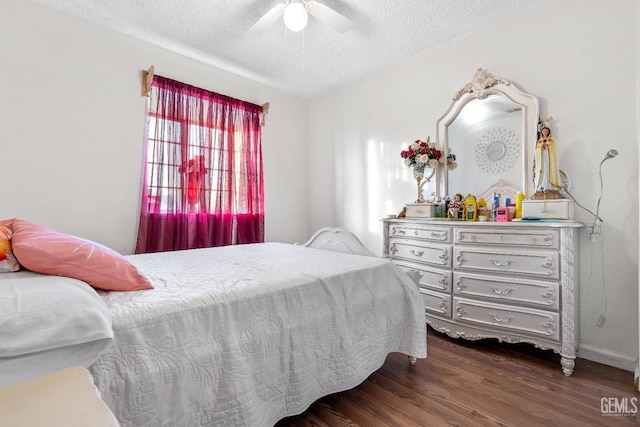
[[203, 182]]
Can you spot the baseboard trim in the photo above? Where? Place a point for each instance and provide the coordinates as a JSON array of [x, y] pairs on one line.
[[607, 357]]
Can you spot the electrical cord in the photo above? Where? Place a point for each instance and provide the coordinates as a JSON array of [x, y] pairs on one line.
[[604, 288], [603, 316], [593, 230], [596, 216], [579, 205]]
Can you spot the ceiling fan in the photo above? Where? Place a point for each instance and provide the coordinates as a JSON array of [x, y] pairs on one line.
[[295, 14]]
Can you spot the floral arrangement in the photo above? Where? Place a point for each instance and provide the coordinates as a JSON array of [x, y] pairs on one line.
[[424, 153]]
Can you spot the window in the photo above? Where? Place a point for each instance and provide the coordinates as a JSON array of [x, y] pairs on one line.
[[203, 181]]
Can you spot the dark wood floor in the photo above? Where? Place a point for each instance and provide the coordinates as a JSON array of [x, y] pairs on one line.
[[481, 383]]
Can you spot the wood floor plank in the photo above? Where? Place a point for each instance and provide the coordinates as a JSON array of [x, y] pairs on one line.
[[476, 383]]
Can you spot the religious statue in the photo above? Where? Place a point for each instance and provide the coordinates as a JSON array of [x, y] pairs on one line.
[[546, 172]]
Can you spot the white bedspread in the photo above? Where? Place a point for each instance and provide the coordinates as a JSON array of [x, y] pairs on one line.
[[246, 335]]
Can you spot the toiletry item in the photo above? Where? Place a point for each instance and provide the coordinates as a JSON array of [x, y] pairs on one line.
[[471, 208], [519, 199], [437, 208], [495, 204], [484, 213]]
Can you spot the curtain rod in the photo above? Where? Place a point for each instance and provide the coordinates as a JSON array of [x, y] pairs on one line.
[[147, 80]]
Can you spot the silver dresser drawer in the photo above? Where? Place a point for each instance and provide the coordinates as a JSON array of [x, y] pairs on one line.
[[423, 252], [436, 303], [537, 263], [430, 278], [512, 290], [500, 236], [517, 320], [422, 232]]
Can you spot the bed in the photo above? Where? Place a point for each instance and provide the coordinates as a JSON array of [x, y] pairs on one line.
[[247, 335]]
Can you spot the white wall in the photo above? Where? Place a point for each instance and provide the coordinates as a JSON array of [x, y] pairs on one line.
[[579, 58], [72, 120]]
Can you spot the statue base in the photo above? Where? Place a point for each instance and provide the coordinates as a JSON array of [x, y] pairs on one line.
[[548, 209], [548, 195]]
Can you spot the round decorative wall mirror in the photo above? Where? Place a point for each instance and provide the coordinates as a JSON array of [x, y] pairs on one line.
[[495, 151]]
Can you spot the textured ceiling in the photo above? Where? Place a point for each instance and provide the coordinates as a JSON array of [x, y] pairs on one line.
[[304, 64]]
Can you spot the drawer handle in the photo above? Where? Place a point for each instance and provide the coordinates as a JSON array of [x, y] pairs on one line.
[[506, 291], [464, 236], [549, 326], [547, 240], [415, 232], [549, 296], [547, 264], [505, 319], [443, 306], [460, 311], [417, 253], [497, 263], [398, 230]]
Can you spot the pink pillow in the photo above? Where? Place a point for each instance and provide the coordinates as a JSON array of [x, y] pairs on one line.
[[48, 251]]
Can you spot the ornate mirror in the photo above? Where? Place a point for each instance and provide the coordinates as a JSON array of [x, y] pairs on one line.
[[491, 128]]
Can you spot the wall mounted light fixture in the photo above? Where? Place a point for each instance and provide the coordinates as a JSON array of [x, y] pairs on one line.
[[610, 154]]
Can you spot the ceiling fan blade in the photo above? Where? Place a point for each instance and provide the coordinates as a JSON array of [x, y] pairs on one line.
[[267, 19], [329, 16]]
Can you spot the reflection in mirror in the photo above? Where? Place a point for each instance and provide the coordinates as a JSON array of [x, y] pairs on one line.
[[491, 126], [495, 151]]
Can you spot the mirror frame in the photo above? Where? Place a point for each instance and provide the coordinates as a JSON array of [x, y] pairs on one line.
[[483, 85]]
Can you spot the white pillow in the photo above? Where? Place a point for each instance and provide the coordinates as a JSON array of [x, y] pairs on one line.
[[40, 314]]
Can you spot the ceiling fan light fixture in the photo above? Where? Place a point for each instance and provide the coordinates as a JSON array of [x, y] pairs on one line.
[[295, 16]]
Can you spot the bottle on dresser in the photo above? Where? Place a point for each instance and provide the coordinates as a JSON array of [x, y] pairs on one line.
[[495, 204], [519, 199]]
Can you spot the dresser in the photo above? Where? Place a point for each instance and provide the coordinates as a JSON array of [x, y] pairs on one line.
[[514, 281]]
